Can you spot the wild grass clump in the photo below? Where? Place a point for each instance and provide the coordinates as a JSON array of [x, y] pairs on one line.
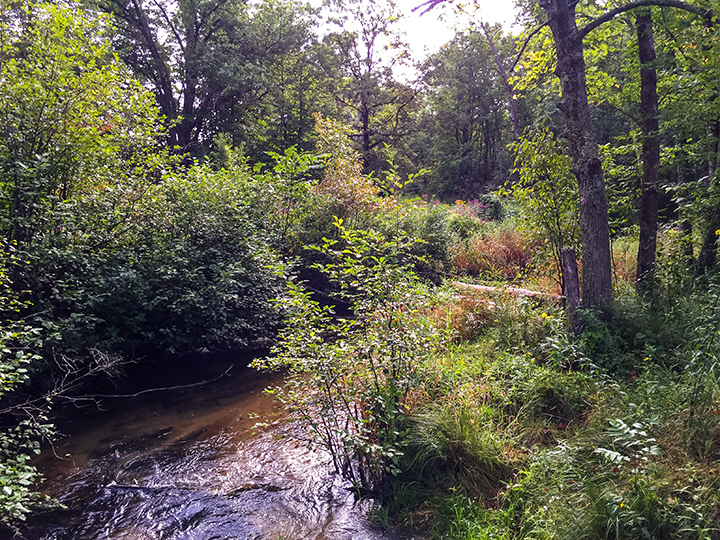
[[462, 440]]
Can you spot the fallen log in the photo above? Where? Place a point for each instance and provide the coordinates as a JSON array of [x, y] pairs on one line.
[[511, 290]]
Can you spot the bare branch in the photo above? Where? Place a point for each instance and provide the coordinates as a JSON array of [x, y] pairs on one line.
[[169, 22], [430, 5], [702, 12], [505, 77], [526, 43], [162, 389]]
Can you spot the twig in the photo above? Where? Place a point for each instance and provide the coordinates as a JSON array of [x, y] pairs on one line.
[[178, 387]]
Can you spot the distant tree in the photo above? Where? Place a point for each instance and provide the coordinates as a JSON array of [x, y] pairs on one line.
[[561, 17], [361, 59], [206, 60], [466, 116], [297, 87]]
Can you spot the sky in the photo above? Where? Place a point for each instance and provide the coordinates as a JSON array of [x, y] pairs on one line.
[[426, 32]]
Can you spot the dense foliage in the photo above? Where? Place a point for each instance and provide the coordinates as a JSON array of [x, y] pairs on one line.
[[215, 175]]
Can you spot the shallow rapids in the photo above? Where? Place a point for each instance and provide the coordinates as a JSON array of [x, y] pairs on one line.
[[189, 464]]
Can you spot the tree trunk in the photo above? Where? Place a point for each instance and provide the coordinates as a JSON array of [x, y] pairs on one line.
[[707, 258], [161, 76], [713, 130], [686, 231], [595, 234], [571, 287], [649, 123]]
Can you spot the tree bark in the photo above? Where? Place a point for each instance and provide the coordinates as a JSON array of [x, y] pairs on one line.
[[649, 123], [595, 233], [686, 231], [707, 258], [713, 131], [571, 287]]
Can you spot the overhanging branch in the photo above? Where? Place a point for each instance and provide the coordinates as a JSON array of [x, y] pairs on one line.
[[526, 43], [428, 5], [702, 12]]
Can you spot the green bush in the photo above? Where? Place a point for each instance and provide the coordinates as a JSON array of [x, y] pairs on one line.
[[428, 224], [189, 268], [23, 426], [350, 378]]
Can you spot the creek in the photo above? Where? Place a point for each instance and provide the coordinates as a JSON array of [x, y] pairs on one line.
[[191, 464]]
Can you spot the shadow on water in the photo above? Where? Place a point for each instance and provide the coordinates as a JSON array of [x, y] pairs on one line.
[[189, 464]]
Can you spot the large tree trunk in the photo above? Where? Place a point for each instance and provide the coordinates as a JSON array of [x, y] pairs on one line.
[[597, 278], [707, 258], [649, 196], [137, 19]]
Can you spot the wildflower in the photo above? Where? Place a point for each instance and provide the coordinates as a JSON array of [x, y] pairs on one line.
[[615, 470], [646, 359], [544, 315]]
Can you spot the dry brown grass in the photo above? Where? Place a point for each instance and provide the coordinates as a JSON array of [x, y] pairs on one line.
[[624, 260], [502, 255]]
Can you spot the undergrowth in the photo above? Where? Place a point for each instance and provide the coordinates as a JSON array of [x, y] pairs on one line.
[[526, 431]]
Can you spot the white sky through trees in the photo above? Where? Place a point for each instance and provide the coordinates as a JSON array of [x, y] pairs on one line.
[[425, 34], [436, 27]]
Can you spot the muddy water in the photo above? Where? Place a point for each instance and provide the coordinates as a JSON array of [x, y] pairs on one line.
[[190, 464]]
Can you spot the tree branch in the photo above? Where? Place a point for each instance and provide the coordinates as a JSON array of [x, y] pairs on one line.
[[171, 25], [526, 43], [702, 12], [161, 389], [430, 5]]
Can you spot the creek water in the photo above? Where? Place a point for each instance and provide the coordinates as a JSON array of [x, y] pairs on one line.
[[190, 464]]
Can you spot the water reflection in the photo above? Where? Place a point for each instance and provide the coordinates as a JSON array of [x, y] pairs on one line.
[[189, 465]]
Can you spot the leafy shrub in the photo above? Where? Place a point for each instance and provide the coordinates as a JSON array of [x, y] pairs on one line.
[[182, 267], [23, 426], [466, 226], [427, 224], [350, 378], [546, 193], [343, 178]]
